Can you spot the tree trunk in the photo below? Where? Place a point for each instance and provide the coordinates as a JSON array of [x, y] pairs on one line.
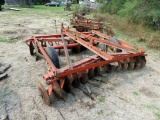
[[0, 8], [77, 1]]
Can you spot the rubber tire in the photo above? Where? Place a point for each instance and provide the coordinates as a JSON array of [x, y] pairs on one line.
[[51, 52], [115, 40]]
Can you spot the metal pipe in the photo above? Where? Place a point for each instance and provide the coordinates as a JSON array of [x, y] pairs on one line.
[[68, 46], [66, 52]]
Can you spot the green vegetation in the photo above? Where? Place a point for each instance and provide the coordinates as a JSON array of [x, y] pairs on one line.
[[138, 32], [100, 112], [101, 98], [135, 93], [138, 11], [1, 3], [38, 11], [156, 110], [2, 40]]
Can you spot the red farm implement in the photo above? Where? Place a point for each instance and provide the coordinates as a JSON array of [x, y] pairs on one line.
[[116, 55], [83, 24]]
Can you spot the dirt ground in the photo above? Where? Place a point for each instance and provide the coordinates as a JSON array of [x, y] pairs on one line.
[[127, 95]]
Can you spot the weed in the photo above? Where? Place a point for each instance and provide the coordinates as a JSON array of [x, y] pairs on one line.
[[2, 40], [72, 60], [101, 98], [138, 32], [135, 93], [158, 115], [100, 112], [142, 11], [155, 109]]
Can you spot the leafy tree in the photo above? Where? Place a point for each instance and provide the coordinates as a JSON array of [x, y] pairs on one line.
[[1, 3]]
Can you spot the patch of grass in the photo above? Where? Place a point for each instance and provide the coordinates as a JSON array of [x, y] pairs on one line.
[[135, 93], [72, 60], [100, 112], [155, 109], [101, 98], [2, 40], [137, 31], [137, 11], [38, 11], [158, 115]]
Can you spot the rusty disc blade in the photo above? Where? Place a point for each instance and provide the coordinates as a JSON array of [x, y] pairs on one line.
[[143, 62], [43, 93], [91, 73], [50, 43], [110, 68], [137, 63], [103, 69], [124, 66], [76, 81], [76, 49], [137, 66], [119, 67], [31, 48], [43, 44], [84, 78], [131, 65], [57, 90], [80, 28], [97, 71], [67, 85]]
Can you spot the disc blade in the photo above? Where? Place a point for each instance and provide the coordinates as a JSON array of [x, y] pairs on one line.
[[76, 81], [97, 71], [44, 94], [119, 67], [57, 89], [143, 62], [84, 78], [91, 73]]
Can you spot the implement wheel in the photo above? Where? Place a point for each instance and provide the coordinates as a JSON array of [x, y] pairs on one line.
[[51, 52], [113, 49], [43, 93]]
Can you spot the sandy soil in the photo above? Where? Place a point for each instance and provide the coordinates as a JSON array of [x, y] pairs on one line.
[[128, 95]]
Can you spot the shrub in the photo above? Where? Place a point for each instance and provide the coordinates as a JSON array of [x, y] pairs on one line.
[[1, 3], [137, 11]]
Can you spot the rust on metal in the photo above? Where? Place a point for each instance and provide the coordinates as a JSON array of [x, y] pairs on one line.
[[129, 57]]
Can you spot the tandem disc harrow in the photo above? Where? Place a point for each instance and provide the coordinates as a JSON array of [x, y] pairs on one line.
[[116, 55], [83, 24]]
